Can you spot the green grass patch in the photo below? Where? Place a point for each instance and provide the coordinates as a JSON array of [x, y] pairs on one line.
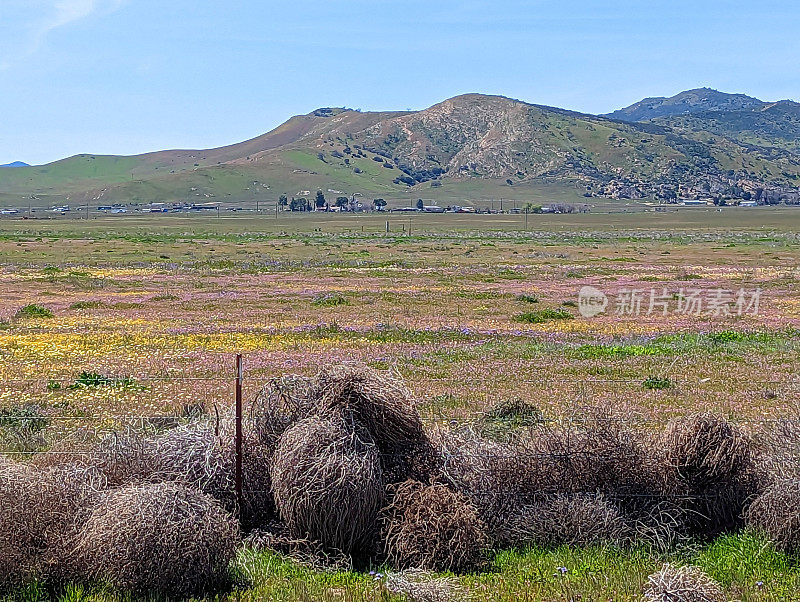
[[747, 567], [127, 305], [87, 380], [34, 311], [543, 315], [672, 344], [509, 274], [23, 418], [87, 305], [656, 383], [479, 295], [330, 300], [500, 422], [616, 351], [749, 560]]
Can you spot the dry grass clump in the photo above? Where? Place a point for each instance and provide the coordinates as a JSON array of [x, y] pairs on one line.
[[258, 505], [164, 538], [682, 584], [492, 476], [553, 459], [381, 403], [706, 450], [779, 442], [18, 541], [502, 478], [661, 524], [193, 454], [421, 586], [616, 459], [420, 460], [776, 513], [38, 514], [327, 483], [377, 401], [275, 537], [712, 467], [388, 411], [550, 458], [199, 455], [432, 527], [578, 520], [280, 404]]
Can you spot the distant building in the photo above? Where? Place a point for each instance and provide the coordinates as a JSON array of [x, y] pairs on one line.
[[694, 203], [433, 209], [748, 204]]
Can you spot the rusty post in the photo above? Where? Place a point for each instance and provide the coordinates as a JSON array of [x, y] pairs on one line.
[[238, 476]]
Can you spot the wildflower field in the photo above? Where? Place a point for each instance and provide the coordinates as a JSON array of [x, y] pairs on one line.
[[108, 324]]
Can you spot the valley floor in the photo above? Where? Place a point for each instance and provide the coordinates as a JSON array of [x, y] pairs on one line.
[[703, 314]]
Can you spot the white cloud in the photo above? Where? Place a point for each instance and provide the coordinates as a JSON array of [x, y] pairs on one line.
[[66, 12], [48, 16]]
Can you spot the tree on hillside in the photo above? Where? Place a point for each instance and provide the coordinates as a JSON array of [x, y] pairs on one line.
[[420, 204], [283, 200], [301, 204], [379, 204], [341, 201], [320, 200]]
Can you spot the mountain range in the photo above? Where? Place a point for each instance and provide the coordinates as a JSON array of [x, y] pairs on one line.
[[698, 144], [15, 164]]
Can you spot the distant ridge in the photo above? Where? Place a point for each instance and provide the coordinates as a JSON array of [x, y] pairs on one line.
[[700, 144], [15, 164], [700, 100]]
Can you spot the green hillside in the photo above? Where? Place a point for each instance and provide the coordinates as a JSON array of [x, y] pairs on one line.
[[470, 146], [775, 125]]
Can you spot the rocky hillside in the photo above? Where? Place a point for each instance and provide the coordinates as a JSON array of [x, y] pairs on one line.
[[716, 146], [701, 100], [770, 126]]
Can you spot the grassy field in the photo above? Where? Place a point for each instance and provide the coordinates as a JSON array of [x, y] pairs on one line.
[[471, 310]]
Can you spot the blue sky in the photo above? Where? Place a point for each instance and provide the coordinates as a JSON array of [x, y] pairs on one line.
[[129, 76]]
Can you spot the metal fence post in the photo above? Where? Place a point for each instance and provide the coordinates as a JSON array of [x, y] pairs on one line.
[[238, 476]]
